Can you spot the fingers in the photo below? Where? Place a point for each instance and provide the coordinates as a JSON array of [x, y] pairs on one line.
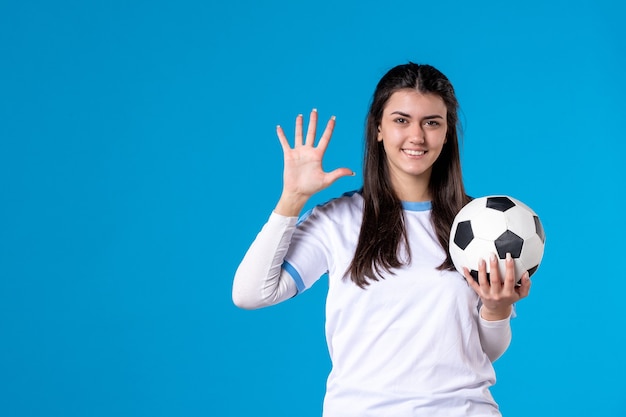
[[338, 173], [299, 122], [491, 282], [494, 276], [310, 134], [483, 280], [328, 132], [309, 139], [498, 295], [284, 143], [509, 275]]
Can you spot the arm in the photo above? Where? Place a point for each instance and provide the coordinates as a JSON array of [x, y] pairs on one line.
[[260, 280], [497, 297], [495, 336]]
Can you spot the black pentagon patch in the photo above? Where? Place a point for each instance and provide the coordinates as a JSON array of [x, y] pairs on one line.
[[464, 234], [500, 203], [509, 242], [539, 229], [532, 270], [474, 275]]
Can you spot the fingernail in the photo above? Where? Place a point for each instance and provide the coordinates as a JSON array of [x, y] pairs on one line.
[[493, 257], [315, 110], [353, 174], [333, 117], [508, 257]]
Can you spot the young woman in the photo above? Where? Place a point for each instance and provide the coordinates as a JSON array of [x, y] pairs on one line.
[[406, 333]]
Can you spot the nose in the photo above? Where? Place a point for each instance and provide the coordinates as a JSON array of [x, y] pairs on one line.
[[418, 135]]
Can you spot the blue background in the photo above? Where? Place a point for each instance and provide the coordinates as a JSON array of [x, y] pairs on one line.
[[138, 160]]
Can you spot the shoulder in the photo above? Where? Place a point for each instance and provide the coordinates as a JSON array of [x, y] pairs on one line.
[[349, 204]]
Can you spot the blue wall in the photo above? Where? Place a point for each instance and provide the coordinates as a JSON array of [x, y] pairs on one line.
[[138, 160]]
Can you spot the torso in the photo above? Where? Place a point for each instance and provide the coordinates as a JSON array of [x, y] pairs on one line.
[[407, 345]]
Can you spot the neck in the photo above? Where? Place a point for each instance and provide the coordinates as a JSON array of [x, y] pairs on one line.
[[414, 189]]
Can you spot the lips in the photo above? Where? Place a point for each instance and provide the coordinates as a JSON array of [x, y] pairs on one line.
[[413, 152]]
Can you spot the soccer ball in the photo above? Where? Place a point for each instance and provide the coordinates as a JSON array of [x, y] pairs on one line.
[[497, 224]]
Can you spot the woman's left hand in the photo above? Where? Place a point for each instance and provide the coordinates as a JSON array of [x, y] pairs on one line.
[[498, 295]]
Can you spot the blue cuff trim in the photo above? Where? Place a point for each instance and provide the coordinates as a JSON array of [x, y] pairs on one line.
[[294, 274]]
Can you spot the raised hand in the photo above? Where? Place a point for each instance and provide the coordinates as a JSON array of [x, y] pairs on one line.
[[303, 174], [497, 294]]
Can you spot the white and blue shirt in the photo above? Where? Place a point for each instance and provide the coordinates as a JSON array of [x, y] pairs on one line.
[[407, 345]]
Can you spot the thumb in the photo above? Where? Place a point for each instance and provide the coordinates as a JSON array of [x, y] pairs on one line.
[[338, 173]]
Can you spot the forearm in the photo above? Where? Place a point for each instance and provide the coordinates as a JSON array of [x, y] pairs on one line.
[[290, 204], [495, 336], [259, 280]]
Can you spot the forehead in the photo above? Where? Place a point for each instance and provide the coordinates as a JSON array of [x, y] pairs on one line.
[[414, 102]]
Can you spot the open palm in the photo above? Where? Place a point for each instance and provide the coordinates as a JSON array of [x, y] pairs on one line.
[[303, 174]]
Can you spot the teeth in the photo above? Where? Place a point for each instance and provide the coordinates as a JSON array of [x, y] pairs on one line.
[[413, 153]]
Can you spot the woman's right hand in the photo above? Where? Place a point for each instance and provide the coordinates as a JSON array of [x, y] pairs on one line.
[[303, 174]]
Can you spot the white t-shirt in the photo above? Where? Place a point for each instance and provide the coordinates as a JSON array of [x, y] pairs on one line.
[[407, 345]]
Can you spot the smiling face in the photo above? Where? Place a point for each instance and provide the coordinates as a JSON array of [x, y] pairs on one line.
[[413, 132]]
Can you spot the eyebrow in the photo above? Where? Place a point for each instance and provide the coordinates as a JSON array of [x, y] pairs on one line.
[[434, 116]]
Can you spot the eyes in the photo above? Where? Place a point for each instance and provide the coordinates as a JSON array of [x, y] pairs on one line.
[[427, 122]]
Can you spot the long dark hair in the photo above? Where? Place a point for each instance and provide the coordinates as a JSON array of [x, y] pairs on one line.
[[383, 230]]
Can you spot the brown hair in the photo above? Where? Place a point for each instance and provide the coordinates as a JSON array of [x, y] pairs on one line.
[[383, 229]]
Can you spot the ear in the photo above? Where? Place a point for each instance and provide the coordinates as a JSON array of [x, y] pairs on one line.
[[380, 136]]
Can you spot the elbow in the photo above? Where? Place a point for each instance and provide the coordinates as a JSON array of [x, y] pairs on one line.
[[496, 352], [241, 293], [243, 301], [494, 356]]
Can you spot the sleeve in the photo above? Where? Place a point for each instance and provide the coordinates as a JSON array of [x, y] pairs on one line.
[[260, 280], [495, 336], [310, 251]]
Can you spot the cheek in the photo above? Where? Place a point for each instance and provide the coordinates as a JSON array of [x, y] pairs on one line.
[[389, 134], [439, 138]]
